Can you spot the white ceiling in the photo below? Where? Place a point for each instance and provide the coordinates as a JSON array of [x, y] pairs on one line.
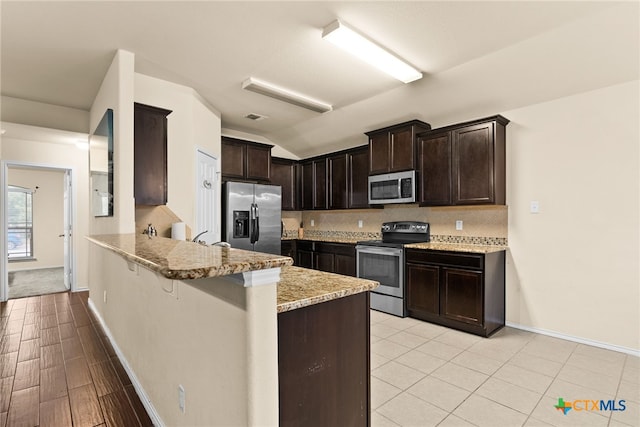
[[478, 58]]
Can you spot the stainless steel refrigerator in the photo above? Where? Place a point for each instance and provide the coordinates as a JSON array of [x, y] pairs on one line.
[[252, 216]]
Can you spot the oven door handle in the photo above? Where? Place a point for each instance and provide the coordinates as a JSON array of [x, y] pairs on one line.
[[379, 251]]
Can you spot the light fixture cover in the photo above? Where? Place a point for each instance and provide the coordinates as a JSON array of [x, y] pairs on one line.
[[357, 44], [285, 95]]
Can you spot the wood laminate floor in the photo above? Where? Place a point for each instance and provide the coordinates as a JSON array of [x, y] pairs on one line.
[[57, 368]]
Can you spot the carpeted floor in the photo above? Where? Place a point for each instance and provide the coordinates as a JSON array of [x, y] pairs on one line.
[[42, 281]]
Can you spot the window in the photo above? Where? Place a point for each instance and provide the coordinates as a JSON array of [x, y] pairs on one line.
[[20, 223]]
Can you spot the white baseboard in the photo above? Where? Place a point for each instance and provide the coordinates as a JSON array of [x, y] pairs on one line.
[[144, 398], [607, 346]]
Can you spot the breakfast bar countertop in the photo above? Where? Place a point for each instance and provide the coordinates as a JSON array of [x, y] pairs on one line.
[[182, 260], [301, 287]]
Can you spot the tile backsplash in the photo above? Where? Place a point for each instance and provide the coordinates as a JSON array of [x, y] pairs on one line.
[[480, 224]]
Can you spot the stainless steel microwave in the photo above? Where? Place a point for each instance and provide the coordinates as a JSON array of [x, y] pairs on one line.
[[396, 187]]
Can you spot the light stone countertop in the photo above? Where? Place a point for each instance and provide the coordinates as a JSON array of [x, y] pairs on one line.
[[301, 287], [182, 260], [434, 246], [457, 247], [351, 240]]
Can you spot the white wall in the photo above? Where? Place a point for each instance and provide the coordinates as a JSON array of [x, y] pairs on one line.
[[116, 92], [15, 110], [573, 268], [215, 337], [55, 155], [48, 218], [192, 124]]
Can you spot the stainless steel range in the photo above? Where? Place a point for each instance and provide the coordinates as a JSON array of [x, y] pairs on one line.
[[383, 261]]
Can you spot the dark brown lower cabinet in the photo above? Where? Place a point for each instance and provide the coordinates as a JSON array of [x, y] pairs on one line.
[[459, 290], [339, 258], [288, 248], [324, 366], [304, 254]]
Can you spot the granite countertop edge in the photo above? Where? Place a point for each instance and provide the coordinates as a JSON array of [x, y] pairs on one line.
[[171, 269], [434, 246], [301, 287], [457, 247]]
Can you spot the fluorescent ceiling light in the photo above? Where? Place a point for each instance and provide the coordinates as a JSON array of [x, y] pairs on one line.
[[285, 95], [358, 45]]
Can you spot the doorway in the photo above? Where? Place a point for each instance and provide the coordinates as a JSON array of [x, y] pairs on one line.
[[37, 208], [206, 198]]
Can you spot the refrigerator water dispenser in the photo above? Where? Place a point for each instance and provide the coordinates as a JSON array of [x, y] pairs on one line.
[[240, 224]]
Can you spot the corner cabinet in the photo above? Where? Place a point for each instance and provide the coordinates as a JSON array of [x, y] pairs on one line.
[[463, 164], [464, 291], [392, 149], [150, 155], [245, 160]]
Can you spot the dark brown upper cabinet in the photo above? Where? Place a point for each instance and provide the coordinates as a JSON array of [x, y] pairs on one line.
[[338, 168], [314, 183], [392, 149], [245, 160], [358, 196], [284, 172], [150, 155], [336, 181], [463, 164]]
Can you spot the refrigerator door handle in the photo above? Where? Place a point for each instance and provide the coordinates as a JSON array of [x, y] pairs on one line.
[[253, 222], [257, 228]]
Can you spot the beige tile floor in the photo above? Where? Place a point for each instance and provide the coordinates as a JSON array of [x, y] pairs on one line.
[[427, 375]]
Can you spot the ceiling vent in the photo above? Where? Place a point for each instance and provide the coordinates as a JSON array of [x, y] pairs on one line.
[[255, 117]]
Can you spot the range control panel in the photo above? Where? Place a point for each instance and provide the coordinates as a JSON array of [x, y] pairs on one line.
[[405, 227]]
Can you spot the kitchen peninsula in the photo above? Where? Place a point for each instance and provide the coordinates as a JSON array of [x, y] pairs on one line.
[[241, 338]]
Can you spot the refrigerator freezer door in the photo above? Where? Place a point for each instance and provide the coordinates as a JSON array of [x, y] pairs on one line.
[[268, 205], [238, 202]]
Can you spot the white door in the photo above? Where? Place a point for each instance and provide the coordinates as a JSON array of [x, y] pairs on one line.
[[67, 228], [206, 199]]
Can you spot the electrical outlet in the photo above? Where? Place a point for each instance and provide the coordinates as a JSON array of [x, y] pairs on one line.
[[313, 223], [359, 223], [534, 207], [181, 398], [104, 297], [458, 225]]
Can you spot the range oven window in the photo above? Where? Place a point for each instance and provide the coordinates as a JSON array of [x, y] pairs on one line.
[[383, 268]]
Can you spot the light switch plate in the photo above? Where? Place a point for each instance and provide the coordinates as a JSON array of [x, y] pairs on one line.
[[459, 225], [534, 207], [359, 223], [313, 223]]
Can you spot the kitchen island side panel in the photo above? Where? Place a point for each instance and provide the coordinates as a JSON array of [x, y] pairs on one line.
[[324, 363]]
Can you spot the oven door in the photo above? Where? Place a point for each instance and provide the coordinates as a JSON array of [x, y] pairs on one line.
[[384, 265]]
